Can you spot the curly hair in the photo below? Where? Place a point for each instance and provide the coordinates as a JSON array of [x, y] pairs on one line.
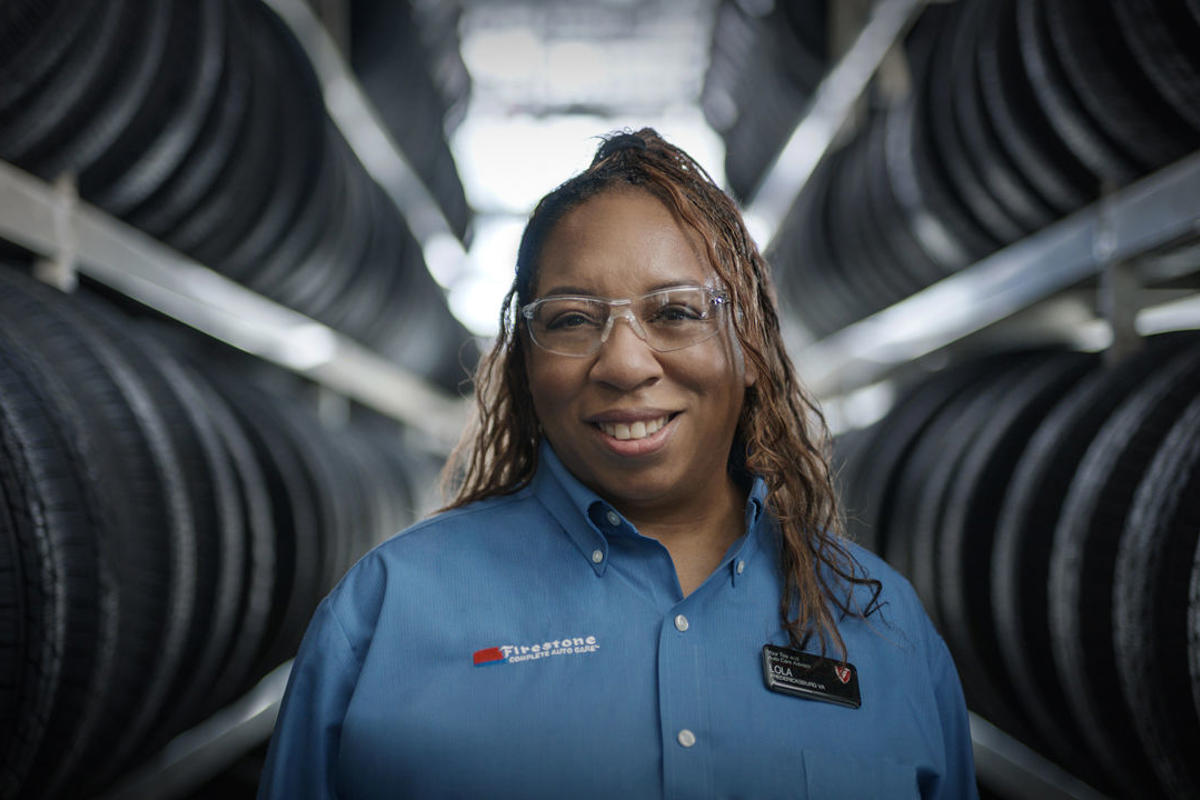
[[781, 433]]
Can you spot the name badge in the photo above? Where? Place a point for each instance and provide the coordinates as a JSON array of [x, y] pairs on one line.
[[810, 676]]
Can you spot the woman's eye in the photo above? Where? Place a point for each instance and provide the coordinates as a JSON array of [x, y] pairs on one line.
[[569, 320], [677, 313]]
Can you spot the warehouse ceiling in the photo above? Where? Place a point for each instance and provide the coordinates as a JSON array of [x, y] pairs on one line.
[[547, 77]]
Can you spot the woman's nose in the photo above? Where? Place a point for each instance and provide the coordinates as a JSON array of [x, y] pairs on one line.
[[624, 360]]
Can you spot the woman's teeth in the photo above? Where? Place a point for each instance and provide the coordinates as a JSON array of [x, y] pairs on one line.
[[638, 430]]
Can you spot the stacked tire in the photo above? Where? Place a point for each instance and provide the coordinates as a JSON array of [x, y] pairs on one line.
[[166, 530], [764, 64], [393, 47], [1020, 112], [1046, 507], [202, 123]]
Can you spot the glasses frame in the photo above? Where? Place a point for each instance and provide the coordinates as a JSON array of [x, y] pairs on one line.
[[622, 308]]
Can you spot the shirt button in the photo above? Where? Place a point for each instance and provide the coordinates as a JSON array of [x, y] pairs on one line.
[[741, 567], [681, 624], [686, 738], [612, 518], [597, 556]]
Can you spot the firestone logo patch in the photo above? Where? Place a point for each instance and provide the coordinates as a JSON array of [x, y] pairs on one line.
[[516, 653]]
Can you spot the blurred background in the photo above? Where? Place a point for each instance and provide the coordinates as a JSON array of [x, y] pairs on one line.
[[251, 250]]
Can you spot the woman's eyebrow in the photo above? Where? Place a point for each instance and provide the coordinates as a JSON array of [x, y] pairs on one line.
[[569, 290]]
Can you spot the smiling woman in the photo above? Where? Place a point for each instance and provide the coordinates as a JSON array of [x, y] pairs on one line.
[[647, 476]]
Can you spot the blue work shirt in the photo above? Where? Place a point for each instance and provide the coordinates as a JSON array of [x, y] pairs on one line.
[[536, 645]]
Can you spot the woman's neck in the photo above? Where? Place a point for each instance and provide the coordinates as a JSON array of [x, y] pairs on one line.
[[697, 535]]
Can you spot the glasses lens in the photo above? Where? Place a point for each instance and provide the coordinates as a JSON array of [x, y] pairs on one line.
[[668, 320], [676, 318], [570, 325]]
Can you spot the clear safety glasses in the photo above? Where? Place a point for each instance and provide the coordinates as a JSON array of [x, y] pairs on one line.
[[668, 319]]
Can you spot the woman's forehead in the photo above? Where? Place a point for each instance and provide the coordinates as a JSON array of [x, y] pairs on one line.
[[624, 241]]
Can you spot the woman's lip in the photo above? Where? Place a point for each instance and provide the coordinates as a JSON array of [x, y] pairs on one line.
[[638, 447], [630, 416]]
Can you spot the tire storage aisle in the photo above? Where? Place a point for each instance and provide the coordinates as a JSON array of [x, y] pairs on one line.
[[1016, 114], [203, 125], [1042, 500], [171, 508], [1044, 506], [168, 529]]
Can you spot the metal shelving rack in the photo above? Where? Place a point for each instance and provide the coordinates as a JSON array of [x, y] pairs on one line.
[[74, 237], [52, 223], [1152, 213], [1100, 241], [48, 220]]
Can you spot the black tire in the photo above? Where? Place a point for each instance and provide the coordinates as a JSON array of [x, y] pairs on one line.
[[309, 228], [1162, 37], [217, 518], [186, 188], [879, 276], [968, 531], [35, 37], [793, 261], [259, 568], [1113, 87], [367, 293], [935, 213], [171, 118], [1083, 565], [1155, 564], [57, 594], [827, 267], [154, 546], [1062, 105], [954, 55], [896, 435], [1024, 537], [915, 267], [1000, 175], [301, 114], [297, 522], [227, 213], [1021, 125], [315, 286], [111, 108], [907, 540]]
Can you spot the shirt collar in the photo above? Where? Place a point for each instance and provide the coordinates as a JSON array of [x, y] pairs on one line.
[[570, 503]]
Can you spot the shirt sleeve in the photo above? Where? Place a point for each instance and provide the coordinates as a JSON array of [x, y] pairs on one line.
[[958, 779], [302, 757]]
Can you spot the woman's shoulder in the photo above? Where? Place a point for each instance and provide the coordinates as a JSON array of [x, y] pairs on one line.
[[474, 529], [482, 518], [448, 542], [893, 600]]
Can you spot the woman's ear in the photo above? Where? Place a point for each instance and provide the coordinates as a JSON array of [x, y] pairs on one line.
[[751, 376]]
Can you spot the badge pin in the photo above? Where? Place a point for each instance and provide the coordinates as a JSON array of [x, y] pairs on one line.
[[810, 676]]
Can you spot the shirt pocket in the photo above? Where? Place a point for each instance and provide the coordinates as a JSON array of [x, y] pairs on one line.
[[838, 776]]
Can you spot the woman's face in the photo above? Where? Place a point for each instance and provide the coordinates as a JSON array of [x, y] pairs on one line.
[[619, 244]]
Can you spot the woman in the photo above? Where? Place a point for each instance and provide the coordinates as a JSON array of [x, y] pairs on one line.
[[639, 588]]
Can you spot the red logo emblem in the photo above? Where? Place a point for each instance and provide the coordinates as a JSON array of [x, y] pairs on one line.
[[488, 656], [843, 673]]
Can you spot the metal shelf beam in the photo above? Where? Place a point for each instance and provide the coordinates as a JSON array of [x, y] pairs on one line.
[[202, 752], [371, 141], [1012, 770], [831, 105], [55, 225], [1153, 212]]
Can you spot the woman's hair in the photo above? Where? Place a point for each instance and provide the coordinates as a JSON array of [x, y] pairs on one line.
[[781, 434]]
